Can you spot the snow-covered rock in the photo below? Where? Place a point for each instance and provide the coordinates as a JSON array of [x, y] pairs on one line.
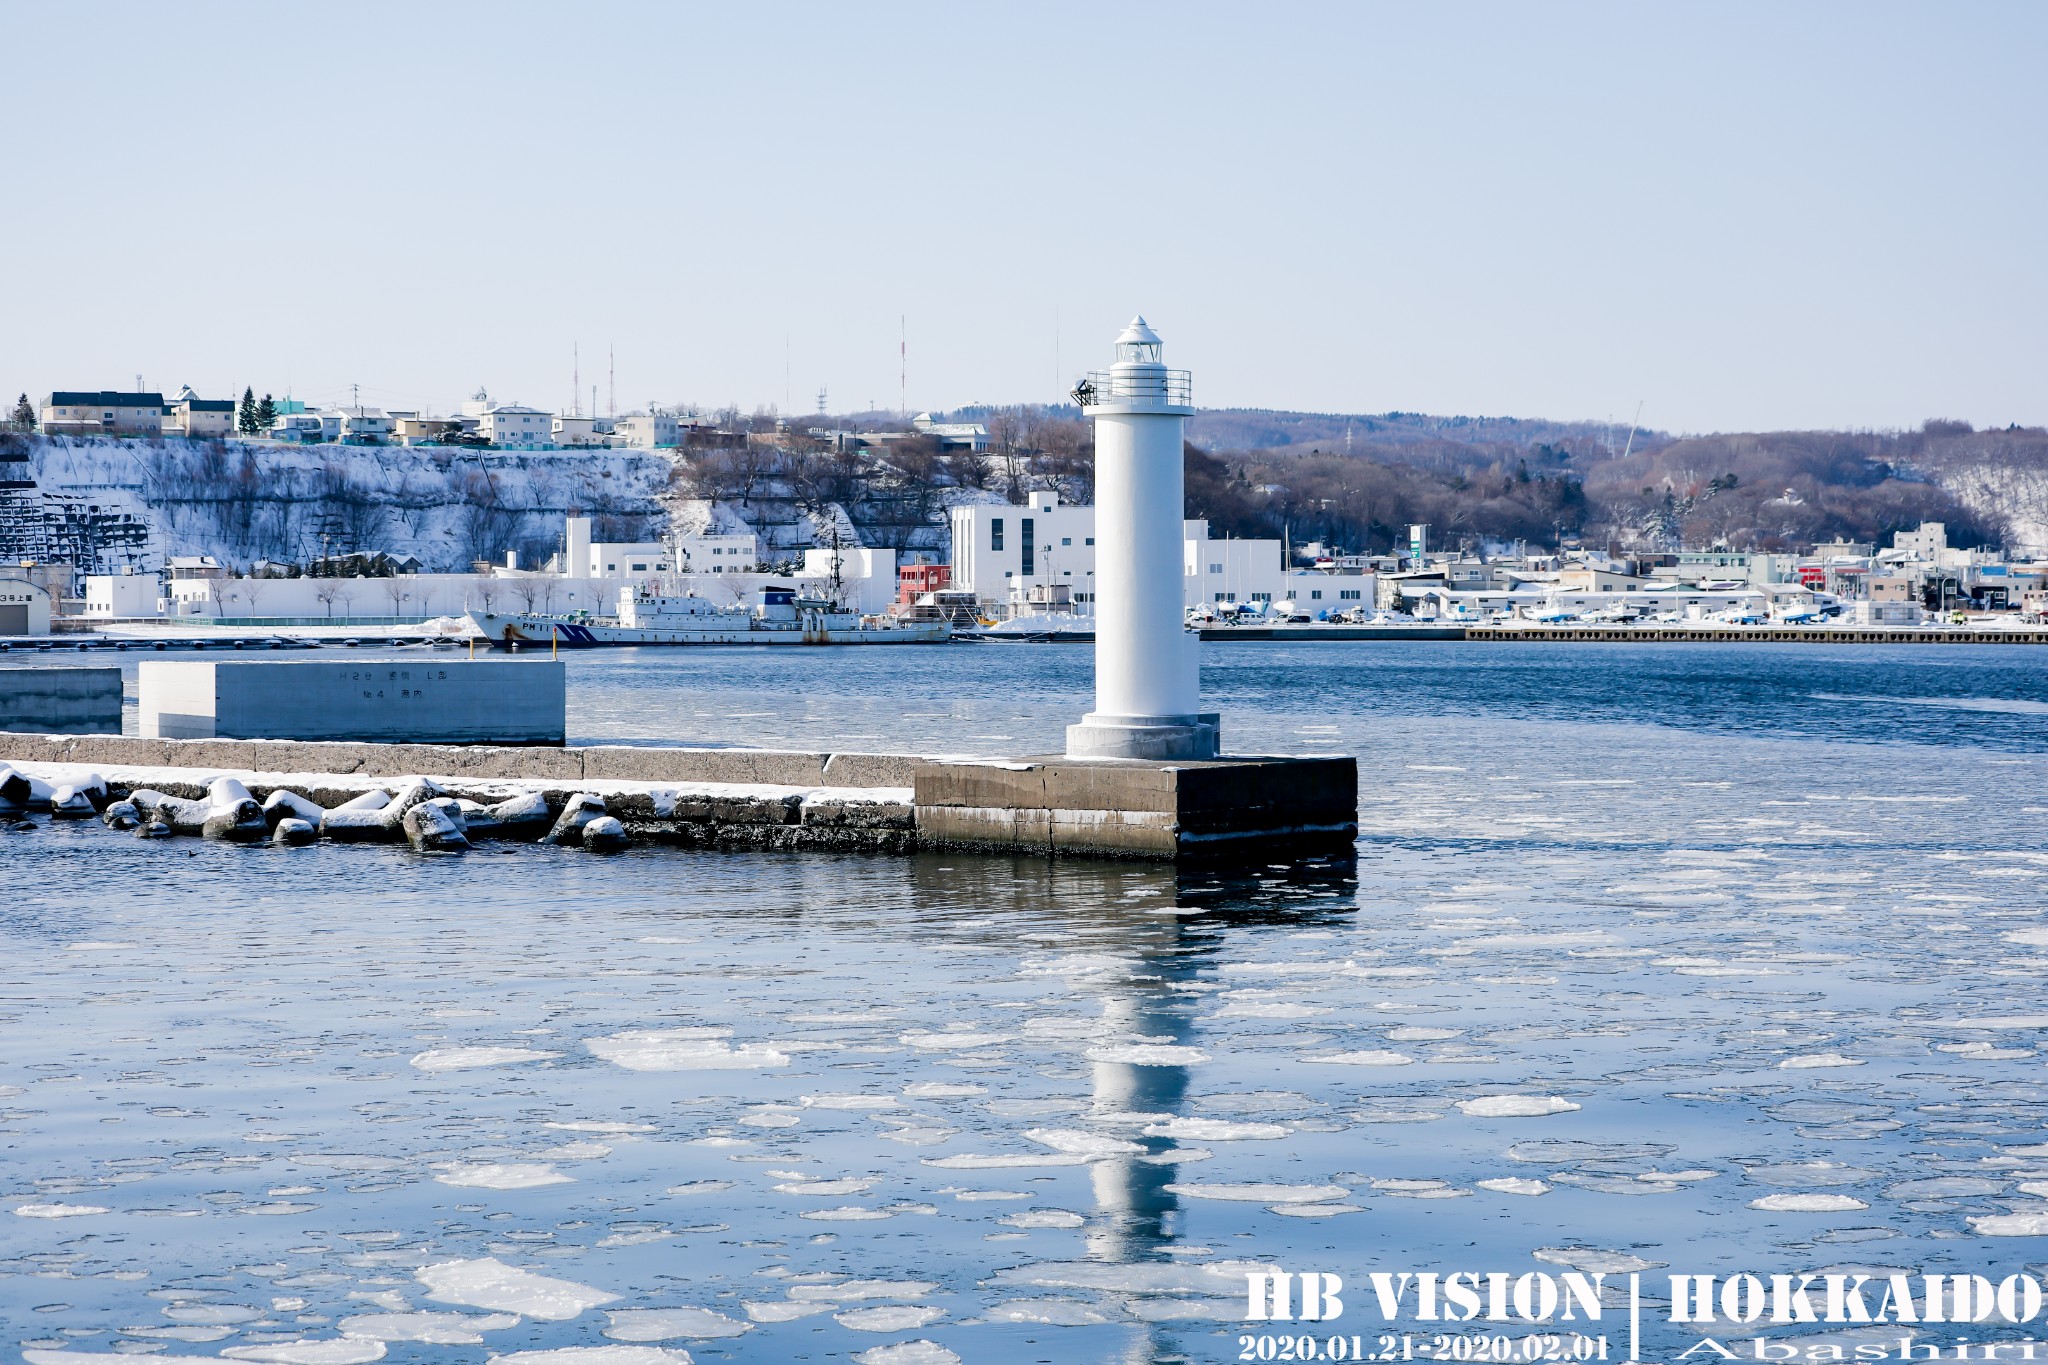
[[577, 812]]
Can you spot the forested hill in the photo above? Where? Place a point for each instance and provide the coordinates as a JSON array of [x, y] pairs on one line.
[[1357, 481]]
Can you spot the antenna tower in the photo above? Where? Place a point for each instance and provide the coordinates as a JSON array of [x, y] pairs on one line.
[[902, 362], [611, 393], [1632, 428], [576, 379]]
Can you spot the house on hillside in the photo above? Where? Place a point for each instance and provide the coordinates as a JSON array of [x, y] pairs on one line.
[[189, 415], [516, 426], [952, 436], [647, 431], [102, 412]]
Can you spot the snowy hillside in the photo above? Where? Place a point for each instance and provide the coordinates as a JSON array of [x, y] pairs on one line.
[[2013, 493], [447, 506]]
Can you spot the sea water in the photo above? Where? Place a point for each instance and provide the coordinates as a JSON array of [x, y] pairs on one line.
[[1653, 960]]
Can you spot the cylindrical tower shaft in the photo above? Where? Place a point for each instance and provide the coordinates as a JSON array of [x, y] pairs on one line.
[[1145, 658], [1143, 666]]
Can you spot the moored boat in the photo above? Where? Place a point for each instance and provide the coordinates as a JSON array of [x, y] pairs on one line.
[[776, 616]]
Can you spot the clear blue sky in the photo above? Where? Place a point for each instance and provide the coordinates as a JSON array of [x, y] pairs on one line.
[[1743, 215]]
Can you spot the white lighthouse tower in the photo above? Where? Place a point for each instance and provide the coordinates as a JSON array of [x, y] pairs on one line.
[[1145, 657]]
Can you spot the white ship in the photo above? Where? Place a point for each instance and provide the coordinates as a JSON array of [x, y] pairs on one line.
[[777, 616]]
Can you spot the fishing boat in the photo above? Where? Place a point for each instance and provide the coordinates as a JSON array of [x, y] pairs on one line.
[[775, 616]]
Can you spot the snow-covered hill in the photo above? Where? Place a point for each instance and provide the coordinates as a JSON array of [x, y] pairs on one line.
[[241, 501], [2001, 478], [448, 507]]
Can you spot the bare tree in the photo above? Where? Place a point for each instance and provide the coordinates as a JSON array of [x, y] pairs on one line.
[[329, 591], [487, 525], [399, 591], [413, 504], [527, 590]]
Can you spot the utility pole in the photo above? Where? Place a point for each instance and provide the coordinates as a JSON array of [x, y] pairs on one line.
[[576, 380], [902, 363], [611, 400]]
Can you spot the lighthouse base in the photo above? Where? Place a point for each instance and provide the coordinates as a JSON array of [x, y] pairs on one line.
[[1160, 738], [1257, 809]]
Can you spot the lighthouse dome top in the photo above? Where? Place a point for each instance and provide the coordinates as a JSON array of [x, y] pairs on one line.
[[1138, 344], [1139, 381]]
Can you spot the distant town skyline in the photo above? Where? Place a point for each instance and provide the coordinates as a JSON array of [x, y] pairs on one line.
[[1741, 216]]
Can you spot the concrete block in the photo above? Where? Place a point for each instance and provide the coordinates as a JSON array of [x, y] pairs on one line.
[[871, 770], [774, 767], [1233, 807], [830, 813], [784, 809], [455, 701], [61, 701], [635, 763]]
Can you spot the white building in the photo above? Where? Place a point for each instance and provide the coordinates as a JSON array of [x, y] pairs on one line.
[[1000, 552], [575, 431], [645, 431], [969, 436], [187, 414], [718, 553], [583, 557], [404, 597], [1927, 542], [127, 596], [1317, 591], [368, 426], [299, 426], [93, 412], [24, 607], [515, 426], [865, 579], [1231, 571]]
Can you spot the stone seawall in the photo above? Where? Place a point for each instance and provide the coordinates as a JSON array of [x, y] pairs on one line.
[[1232, 808], [596, 763]]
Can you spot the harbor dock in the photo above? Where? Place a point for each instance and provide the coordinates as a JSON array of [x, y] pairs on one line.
[[735, 798]]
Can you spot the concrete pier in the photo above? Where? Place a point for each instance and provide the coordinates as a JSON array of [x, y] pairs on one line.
[[65, 701], [1250, 808], [456, 701], [1230, 807]]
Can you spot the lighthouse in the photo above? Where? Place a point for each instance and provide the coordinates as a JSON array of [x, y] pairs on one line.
[[1146, 660]]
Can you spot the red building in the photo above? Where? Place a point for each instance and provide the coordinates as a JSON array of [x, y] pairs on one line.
[[914, 580]]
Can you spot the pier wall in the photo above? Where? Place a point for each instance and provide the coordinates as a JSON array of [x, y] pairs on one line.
[[1245, 808], [488, 701], [75, 701], [595, 763], [1129, 808]]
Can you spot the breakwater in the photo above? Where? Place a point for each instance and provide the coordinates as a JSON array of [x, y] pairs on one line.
[[1696, 632], [1702, 633], [439, 797]]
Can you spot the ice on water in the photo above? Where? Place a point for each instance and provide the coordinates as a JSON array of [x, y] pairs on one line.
[[734, 1106]]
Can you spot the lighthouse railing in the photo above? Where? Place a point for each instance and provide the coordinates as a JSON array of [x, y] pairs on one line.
[[1174, 388]]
